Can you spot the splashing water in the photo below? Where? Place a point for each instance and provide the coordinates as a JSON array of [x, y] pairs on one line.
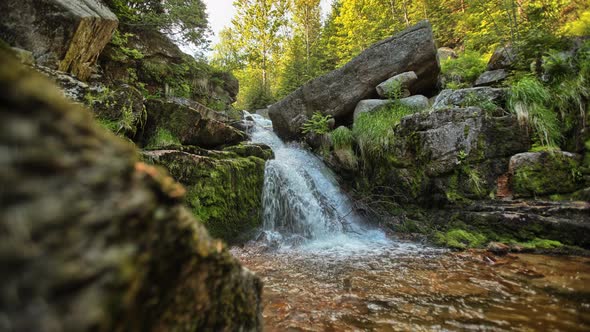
[[303, 203]]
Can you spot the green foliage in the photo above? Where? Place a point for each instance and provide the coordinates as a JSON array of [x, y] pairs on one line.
[[342, 138], [122, 52], [529, 100], [541, 244], [464, 69], [395, 90], [184, 20], [373, 131], [318, 124], [163, 137], [460, 239]]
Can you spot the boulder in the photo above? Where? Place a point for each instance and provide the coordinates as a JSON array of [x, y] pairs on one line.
[[445, 156], [503, 57], [338, 92], [72, 88], [545, 173], [445, 53], [465, 97], [418, 102], [67, 35], [405, 82], [263, 112], [172, 123], [224, 191], [120, 110], [491, 77], [94, 240]]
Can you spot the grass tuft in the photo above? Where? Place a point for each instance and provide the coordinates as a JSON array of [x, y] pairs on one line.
[[342, 138], [374, 131]]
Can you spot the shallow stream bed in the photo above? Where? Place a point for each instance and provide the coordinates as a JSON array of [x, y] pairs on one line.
[[397, 286]]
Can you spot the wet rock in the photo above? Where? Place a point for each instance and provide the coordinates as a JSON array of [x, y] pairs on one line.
[[459, 98], [337, 93], [68, 35], [172, 123], [261, 151], [545, 173], [403, 80], [503, 57], [498, 248], [418, 102], [92, 239], [491, 77], [223, 191]]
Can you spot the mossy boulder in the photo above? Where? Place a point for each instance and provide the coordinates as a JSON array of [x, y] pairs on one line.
[[120, 110], [170, 122], [224, 190], [545, 173], [261, 151], [92, 239]]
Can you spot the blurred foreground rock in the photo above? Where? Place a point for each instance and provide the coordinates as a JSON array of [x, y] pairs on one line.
[[93, 240]]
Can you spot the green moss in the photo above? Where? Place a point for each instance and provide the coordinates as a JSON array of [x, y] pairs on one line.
[[541, 244], [109, 125], [553, 174], [460, 239], [162, 137]]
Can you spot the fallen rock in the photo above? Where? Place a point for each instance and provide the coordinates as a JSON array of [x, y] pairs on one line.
[[67, 35], [491, 77], [338, 92], [405, 82], [503, 57], [418, 102], [92, 239], [462, 97], [545, 173], [224, 191], [171, 123]]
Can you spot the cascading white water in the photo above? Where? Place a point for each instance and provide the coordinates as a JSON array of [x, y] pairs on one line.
[[302, 199]]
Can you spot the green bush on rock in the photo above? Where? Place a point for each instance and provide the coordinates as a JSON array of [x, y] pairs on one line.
[[464, 70]]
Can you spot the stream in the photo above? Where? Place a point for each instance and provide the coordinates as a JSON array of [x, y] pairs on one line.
[[324, 269]]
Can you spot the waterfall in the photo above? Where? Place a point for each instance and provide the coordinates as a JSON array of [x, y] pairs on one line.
[[301, 198]]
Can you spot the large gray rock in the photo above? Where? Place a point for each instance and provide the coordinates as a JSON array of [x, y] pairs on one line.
[[445, 53], [464, 97], [491, 77], [338, 92], [62, 34], [170, 123], [92, 239], [418, 102], [405, 81]]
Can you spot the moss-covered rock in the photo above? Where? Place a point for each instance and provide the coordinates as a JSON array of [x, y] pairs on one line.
[[92, 239], [545, 173], [180, 123], [224, 190], [251, 149]]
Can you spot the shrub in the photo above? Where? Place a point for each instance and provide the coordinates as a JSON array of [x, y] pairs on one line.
[[473, 99], [529, 100], [318, 124], [342, 138], [464, 69], [373, 131]]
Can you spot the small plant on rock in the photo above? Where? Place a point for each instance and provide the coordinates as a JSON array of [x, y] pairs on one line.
[[342, 138], [318, 124]]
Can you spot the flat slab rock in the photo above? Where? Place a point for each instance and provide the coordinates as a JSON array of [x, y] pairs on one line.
[[338, 92], [458, 98], [491, 77], [370, 105]]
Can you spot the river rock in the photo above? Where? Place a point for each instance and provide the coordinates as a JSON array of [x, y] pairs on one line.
[[172, 123], [406, 80], [62, 34], [491, 77], [459, 98], [263, 112], [503, 57], [94, 240], [338, 92], [418, 102], [545, 173]]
